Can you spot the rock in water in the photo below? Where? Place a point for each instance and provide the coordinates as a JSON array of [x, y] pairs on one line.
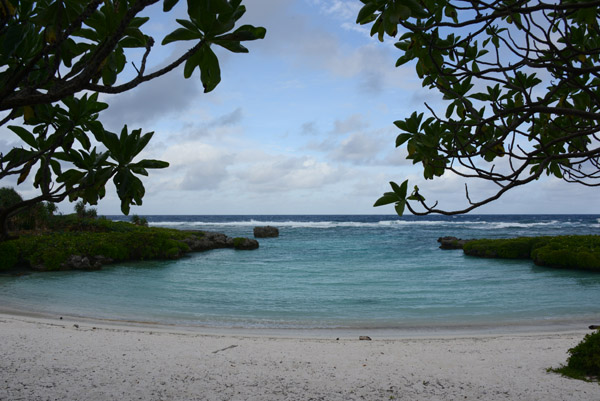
[[452, 242], [245, 244], [266, 232]]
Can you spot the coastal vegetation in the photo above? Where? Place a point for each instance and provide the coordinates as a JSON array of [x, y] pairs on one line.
[[520, 82], [565, 252], [584, 359], [74, 242]]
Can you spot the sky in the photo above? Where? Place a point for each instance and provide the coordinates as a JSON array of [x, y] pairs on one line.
[[303, 124]]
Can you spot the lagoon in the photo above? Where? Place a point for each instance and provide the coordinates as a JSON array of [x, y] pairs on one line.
[[330, 272]]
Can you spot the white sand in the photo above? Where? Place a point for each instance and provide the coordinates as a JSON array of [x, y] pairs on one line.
[[44, 359]]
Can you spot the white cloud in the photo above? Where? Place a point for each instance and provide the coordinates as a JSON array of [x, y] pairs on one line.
[[353, 123], [340, 9], [194, 166], [281, 174], [167, 96], [358, 148]]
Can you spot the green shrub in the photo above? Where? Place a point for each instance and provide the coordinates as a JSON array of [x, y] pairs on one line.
[[9, 255], [139, 221], [584, 360], [569, 252], [565, 252], [515, 248], [83, 212]]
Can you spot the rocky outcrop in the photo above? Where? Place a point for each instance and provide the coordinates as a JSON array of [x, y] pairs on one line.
[[452, 242], [266, 232], [245, 244], [204, 241], [80, 262]]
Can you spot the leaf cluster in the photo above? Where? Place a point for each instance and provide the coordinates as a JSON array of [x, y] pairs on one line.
[[57, 56], [521, 82]]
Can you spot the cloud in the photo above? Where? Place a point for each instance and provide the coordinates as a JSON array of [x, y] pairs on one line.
[[168, 95], [233, 118], [396, 157], [309, 128], [358, 148], [206, 127], [303, 42], [194, 166], [342, 10], [281, 174], [6, 146], [353, 123]]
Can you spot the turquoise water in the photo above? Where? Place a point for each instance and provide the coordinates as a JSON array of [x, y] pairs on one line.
[[328, 272]]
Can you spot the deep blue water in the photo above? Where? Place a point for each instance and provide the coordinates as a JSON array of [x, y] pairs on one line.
[[326, 272]]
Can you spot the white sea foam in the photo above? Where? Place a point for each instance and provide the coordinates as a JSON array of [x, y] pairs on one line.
[[512, 224], [472, 224]]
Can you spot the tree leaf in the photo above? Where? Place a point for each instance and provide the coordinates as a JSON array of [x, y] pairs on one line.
[[25, 135], [386, 200], [181, 34], [231, 45], [192, 63], [400, 190], [365, 15], [400, 207], [245, 33], [150, 163], [400, 139], [210, 72], [25, 172], [169, 4]]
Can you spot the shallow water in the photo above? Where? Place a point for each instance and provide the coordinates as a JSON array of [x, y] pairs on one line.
[[329, 272]]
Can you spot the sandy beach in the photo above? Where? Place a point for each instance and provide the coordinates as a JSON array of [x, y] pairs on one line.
[[47, 359]]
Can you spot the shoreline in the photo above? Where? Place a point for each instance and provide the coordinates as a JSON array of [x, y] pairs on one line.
[[407, 331], [61, 359]]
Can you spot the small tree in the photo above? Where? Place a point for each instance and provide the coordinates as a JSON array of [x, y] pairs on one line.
[[57, 56], [139, 221], [35, 217], [83, 212], [8, 198], [522, 83]]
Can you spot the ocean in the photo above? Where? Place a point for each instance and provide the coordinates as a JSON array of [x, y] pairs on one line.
[[330, 272]]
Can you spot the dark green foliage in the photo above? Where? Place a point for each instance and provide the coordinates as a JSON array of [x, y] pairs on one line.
[[572, 252], [34, 217], [584, 360], [84, 212], [139, 221], [119, 241], [9, 197], [565, 252], [56, 57], [8, 255], [519, 85], [516, 248]]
